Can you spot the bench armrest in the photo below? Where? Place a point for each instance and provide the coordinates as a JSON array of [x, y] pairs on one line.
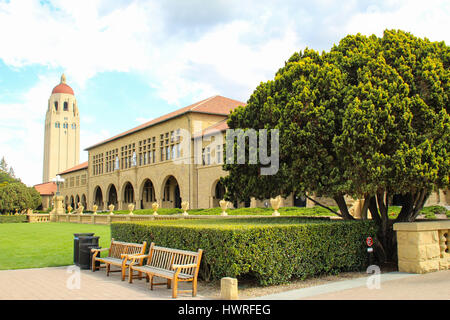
[[99, 250], [134, 257], [181, 266]]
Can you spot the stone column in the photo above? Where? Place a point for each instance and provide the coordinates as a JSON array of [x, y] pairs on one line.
[[418, 245], [58, 209]]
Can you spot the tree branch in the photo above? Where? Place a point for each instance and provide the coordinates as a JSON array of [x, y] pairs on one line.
[[323, 206]]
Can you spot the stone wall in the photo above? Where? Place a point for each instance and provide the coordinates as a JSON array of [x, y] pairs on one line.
[[423, 246]]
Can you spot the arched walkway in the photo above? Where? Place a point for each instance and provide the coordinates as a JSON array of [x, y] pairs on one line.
[[148, 194], [171, 193], [218, 193], [83, 201], [72, 202], [112, 195], [128, 194], [98, 198], [77, 200]]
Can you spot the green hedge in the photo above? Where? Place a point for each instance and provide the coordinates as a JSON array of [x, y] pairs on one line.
[[13, 219], [273, 251]]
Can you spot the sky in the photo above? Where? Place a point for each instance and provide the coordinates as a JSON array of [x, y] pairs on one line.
[[132, 61]]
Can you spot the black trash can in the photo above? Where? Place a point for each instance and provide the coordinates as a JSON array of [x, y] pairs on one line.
[[76, 248], [85, 244]]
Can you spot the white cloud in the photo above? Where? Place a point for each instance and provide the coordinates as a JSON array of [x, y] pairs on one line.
[[429, 19], [22, 131]]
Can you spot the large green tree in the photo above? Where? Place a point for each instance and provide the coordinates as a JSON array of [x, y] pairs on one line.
[[368, 119]]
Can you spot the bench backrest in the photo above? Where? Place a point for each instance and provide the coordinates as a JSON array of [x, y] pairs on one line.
[[164, 258], [118, 248]]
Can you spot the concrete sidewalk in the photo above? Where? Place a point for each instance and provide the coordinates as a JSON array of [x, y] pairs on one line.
[[60, 283], [393, 286]]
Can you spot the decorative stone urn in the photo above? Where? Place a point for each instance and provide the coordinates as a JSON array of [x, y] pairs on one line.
[[131, 208], [185, 206], [95, 207], [111, 209], [275, 203], [155, 208], [80, 208], [69, 209], [29, 211], [223, 205]]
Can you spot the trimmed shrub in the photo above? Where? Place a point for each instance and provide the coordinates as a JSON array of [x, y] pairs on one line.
[[13, 219], [272, 251]]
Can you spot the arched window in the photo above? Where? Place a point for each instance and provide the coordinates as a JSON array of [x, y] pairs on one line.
[[74, 126], [65, 125], [56, 124], [56, 105], [66, 106]]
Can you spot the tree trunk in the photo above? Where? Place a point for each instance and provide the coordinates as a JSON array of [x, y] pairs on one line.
[[343, 207]]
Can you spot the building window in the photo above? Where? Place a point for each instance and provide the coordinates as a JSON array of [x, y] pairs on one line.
[[56, 105], [219, 153], [56, 124], [66, 106]]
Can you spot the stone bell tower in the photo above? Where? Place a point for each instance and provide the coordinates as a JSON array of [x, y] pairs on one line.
[[62, 131]]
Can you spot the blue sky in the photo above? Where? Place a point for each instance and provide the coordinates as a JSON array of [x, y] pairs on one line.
[[131, 61]]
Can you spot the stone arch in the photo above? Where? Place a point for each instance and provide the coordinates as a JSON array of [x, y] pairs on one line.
[[217, 192], [77, 200], [170, 193], [148, 193], [112, 195], [98, 197], [83, 201], [128, 194], [72, 202]]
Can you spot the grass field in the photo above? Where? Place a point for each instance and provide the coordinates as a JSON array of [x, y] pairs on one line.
[[38, 245]]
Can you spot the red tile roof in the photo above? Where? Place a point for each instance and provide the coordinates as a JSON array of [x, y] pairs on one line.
[[46, 189], [214, 105], [62, 88], [81, 166]]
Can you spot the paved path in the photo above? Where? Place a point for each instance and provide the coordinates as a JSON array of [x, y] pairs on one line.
[[60, 283], [392, 286]]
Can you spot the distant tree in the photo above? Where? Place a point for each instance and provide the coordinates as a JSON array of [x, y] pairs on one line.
[[18, 196], [3, 165]]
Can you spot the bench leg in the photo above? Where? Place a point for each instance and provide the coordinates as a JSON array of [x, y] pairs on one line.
[[108, 266], [174, 288], [151, 282], [130, 275], [124, 270], [169, 283], [194, 287], [147, 278]]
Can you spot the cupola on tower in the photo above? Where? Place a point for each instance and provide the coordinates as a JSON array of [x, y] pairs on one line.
[[62, 131]]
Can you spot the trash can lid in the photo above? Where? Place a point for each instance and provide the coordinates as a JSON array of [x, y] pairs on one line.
[[83, 234]]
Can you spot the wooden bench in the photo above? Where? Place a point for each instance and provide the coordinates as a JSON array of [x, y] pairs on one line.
[[119, 254], [172, 264]]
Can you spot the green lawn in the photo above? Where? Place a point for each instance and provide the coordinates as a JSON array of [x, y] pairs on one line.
[[37, 245]]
